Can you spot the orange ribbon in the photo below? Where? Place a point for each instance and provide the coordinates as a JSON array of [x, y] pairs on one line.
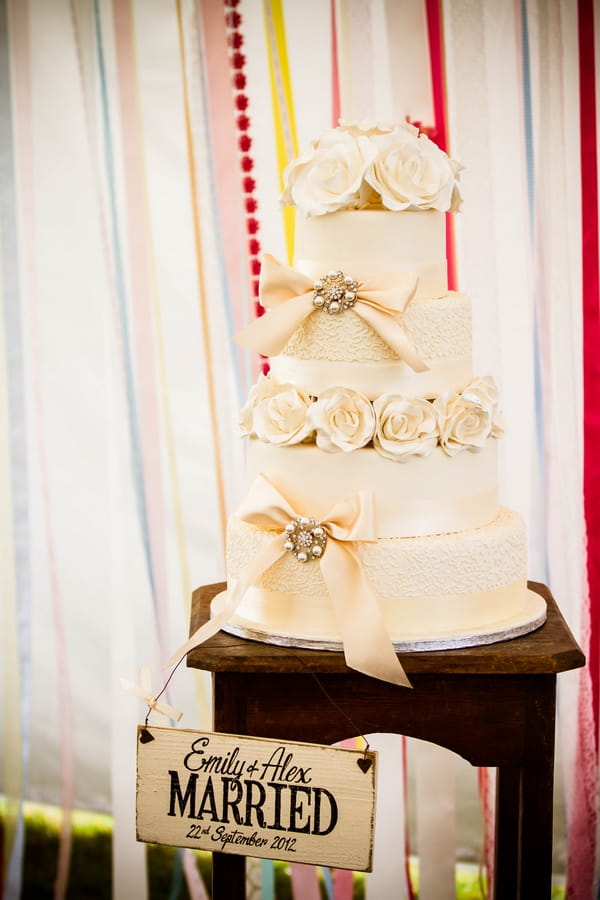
[[367, 646], [288, 295]]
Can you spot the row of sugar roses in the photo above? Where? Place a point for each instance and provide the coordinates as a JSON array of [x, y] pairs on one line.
[[342, 420]]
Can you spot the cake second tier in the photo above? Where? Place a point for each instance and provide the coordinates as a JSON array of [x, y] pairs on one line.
[[418, 344], [344, 349]]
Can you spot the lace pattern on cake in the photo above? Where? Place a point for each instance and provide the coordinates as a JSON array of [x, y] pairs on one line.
[[478, 560], [437, 328]]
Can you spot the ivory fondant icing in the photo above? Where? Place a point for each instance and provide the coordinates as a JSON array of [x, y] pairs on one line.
[[401, 546], [436, 588], [435, 494], [375, 241], [373, 378], [327, 350], [483, 618]]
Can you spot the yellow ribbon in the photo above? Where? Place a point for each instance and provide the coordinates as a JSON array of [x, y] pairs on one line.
[[288, 295], [145, 692], [367, 646]]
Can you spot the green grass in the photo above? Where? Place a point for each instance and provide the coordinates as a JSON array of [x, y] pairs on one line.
[[469, 883], [91, 863]]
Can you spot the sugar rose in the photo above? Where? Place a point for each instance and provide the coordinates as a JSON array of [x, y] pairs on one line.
[[329, 176], [265, 387], [411, 172], [371, 126], [483, 392], [405, 427], [464, 424], [343, 419], [276, 413]]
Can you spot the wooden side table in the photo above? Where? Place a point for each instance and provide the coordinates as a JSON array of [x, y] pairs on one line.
[[493, 705]]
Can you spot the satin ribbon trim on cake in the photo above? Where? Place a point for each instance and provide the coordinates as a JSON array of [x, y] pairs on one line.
[[432, 280], [373, 377], [288, 295], [367, 646], [435, 620]]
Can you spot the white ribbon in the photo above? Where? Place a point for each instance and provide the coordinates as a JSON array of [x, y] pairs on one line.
[[144, 691]]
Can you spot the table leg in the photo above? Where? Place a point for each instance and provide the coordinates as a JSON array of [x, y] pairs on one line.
[[508, 826], [524, 803], [228, 877], [537, 782], [229, 717]]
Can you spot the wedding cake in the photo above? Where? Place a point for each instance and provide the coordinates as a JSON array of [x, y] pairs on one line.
[[372, 522]]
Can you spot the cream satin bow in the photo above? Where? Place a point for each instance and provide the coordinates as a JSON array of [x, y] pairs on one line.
[[288, 295], [367, 646]]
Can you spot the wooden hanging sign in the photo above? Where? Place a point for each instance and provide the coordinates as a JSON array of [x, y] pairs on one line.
[[250, 796]]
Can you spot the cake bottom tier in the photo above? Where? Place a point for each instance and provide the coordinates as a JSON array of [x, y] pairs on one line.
[[434, 592]]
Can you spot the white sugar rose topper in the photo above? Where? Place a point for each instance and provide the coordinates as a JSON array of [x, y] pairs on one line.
[[413, 173], [290, 297], [372, 164], [330, 174]]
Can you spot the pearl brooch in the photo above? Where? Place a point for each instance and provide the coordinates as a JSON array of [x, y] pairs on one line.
[[335, 292], [306, 538]]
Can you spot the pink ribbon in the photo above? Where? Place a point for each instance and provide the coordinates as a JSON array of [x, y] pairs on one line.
[[367, 646], [288, 295]]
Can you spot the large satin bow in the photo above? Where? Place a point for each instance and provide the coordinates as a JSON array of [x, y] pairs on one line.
[[288, 295], [367, 646]]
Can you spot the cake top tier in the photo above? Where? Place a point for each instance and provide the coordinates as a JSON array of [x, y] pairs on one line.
[[372, 165], [376, 241]]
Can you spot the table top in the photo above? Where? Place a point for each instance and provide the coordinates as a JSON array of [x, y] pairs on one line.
[[548, 650]]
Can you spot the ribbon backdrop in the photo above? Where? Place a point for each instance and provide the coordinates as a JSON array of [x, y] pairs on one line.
[[141, 149]]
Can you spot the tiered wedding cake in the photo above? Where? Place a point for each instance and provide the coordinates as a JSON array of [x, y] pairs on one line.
[[372, 514]]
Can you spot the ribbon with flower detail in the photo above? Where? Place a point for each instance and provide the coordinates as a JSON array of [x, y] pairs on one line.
[[288, 295], [367, 646]]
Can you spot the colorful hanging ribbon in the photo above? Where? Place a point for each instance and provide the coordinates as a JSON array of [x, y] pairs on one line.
[[433, 9], [15, 523], [582, 876], [286, 141], [20, 34]]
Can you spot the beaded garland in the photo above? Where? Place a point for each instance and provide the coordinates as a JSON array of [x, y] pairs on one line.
[[237, 61]]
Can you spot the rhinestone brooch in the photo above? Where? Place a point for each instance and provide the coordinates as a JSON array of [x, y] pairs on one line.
[[335, 292], [305, 538]]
